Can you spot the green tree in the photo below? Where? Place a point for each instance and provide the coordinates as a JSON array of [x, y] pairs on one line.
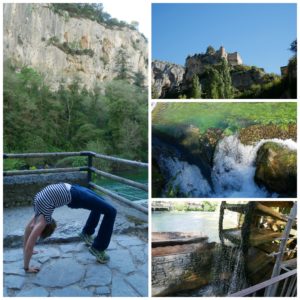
[[122, 66], [196, 88]]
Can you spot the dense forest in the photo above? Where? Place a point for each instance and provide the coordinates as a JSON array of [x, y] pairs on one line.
[[111, 119]]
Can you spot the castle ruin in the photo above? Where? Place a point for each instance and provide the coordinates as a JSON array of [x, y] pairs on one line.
[[196, 64]]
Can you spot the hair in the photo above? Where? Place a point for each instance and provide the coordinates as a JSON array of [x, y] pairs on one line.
[[48, 230]]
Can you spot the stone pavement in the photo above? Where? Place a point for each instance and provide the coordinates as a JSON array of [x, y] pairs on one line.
[[66, 266]]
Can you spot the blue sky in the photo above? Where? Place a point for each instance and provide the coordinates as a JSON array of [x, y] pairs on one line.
[[261, 33]]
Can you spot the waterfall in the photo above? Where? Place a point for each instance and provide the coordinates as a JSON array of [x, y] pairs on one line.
[[232, 173], [184, 177]]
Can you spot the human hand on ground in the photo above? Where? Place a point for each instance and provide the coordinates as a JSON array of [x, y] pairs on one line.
[[32, 270]]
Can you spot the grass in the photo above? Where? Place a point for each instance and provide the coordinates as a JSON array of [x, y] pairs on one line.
[[228, 116]]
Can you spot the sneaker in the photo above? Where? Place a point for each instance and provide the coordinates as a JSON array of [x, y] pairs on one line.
[[87, 239], [101, 256]]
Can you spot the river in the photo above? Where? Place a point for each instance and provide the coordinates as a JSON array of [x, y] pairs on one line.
[[131, 193], [202, 222]]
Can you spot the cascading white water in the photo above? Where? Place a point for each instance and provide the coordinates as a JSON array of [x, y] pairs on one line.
[[185, 177], [232, 173]]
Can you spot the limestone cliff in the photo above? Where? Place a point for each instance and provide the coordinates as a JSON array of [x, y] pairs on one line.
[[65, 48], [166, 78]]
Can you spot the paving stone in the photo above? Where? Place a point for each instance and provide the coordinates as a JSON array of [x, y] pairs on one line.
[[80, 247], [60, 273], [71, 291], [66, 248], [140, 283], [13, 255], [103, 290], [85, 257], [33, 292], [97, 275], [126, 241], [120, 288], [5, 292], [143, 268], [112, 245], [14, 268], [49, 252], [14, 282], [121, 260], [138, 253]]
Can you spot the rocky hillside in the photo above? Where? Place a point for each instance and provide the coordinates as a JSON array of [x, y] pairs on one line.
[[166, 79], [171, 81], [65, 48]]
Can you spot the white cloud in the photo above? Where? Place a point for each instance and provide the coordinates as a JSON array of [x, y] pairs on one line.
[[130, 10]]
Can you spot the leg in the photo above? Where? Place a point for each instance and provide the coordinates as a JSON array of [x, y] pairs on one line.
[[91, 222], [85, 198]]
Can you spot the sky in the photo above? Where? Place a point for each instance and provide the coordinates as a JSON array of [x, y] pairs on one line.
[[130, 10], [261, 33]]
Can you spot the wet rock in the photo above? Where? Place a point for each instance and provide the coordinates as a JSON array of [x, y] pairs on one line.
[[276, 169], [57, 274]]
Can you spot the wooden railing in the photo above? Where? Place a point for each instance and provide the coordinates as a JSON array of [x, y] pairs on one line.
[[288, 287], [89, 169]]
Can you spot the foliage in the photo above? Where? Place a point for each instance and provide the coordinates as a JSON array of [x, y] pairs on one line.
[[70, 48], [92, 11], [122, 66], [218, 82], [196, 88], [201, 206], [37, 119]]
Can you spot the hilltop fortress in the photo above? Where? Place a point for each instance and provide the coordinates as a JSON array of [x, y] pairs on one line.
[[196, 64]]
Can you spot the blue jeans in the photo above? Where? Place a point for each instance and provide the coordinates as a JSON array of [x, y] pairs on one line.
[[85, 198]]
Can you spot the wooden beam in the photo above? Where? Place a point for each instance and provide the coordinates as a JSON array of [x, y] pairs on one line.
[[270, 212], [44, 171]]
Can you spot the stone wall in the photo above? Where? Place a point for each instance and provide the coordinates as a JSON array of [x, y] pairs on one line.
[[182, 271], [20, 190]]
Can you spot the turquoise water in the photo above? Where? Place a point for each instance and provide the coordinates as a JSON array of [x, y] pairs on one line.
[[201, 222], [131, 193]]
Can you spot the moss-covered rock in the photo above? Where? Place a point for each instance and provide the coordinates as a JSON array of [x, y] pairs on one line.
[[253, 134], [276, 169]]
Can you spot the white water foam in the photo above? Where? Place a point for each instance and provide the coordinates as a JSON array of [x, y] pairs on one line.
[[232, 173], [186, 177]]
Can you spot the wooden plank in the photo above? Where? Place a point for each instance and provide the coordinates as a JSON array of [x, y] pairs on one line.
[[257, 236], [270, 212], [44, 171], [178, 241], [120, 160], [120, 179], [277, 203], [38, 155]]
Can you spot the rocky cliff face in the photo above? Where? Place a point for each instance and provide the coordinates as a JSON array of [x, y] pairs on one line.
[[64, 48], [170, 79], [166, 78]]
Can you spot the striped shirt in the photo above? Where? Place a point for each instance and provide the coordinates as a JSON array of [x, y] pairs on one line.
[[51, 197]]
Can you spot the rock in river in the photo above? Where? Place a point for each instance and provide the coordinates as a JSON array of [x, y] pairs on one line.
[[276, 169]]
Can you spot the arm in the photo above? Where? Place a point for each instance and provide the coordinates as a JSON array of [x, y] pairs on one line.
[[27, 232], [31, 240]]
